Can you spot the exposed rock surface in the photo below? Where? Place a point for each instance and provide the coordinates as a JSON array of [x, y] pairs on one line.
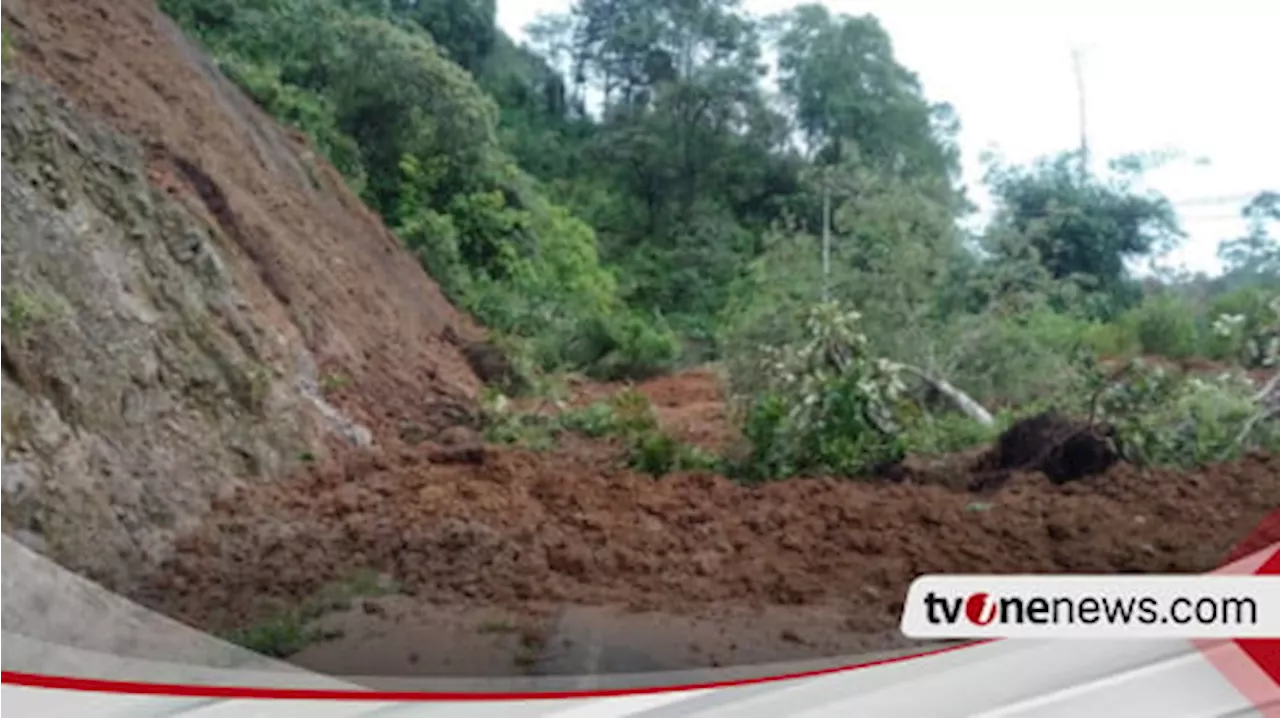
[[192, 300]]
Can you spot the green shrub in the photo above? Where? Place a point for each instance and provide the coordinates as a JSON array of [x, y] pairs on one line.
[[947, 433], [1164, 417], [658, 454], [824, 405], [1111, 340], [595, 420], [626, 346], [1165, 326], [280, 637], [627, 415], [6, 47], [1250, 336], [1019, 358]]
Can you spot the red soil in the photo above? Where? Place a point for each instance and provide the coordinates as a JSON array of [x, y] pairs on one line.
[[464, 524], [519, 527]]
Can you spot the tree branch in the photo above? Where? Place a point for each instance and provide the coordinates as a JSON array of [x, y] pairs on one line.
[[965, 403], [1268, 389]]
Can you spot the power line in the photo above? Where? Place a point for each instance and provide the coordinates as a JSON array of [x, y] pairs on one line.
[[1215, 218], [1211, 200]]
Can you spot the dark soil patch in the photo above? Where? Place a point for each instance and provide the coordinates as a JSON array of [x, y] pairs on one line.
[[1061, 448]]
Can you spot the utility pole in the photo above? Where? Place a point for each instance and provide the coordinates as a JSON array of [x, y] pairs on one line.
[[1078, 65], [826, 235]]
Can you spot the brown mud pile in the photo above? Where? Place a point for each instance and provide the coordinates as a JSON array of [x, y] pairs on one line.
[[568, 526]]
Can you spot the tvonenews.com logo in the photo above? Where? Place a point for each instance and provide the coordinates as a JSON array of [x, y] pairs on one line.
[[983, 609], [1092, 606]]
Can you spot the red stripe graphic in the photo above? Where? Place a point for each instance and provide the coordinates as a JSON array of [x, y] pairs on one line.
[[95, 685], [1253, 665], [1266, 651]]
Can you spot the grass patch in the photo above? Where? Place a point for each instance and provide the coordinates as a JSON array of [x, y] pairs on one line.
[[330, 383], [627, 415], [25, 310], [290, 630], [496, 626], [6, 48]]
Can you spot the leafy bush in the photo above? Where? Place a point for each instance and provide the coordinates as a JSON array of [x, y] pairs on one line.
[[284, 635], [824, 405], [595, 420], [1163, 417], [1251, 336], [1165, 326], [541, 430], [1112, 340], [649, 449], [1018, 358], [624, 345], [555, 293], [659, 453], [948, 433]]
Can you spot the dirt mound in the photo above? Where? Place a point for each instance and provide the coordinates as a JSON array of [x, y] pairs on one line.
[[1061, 448], [534, 529], [526, 528], [305, 247]]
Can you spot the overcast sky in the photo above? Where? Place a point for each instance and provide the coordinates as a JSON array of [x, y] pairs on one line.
[[1171, 74]]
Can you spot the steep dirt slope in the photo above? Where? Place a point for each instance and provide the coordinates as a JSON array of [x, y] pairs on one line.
[[183, 279], [360, 301]]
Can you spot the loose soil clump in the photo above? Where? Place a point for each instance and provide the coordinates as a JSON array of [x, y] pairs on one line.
[[1061, 448]]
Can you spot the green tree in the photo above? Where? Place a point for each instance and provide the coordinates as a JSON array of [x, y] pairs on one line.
[[1081, 228], [1256, 256], [840, 77]]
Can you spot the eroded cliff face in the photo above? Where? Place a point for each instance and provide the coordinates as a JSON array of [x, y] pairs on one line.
[[138, 380], [192, 299]]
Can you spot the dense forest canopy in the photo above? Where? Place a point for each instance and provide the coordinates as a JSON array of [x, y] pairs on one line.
[[642, 184]]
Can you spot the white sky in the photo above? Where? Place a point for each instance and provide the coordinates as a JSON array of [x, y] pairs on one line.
[[1163, 74]]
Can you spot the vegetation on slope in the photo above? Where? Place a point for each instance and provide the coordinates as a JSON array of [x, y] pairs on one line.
[[628, 192]]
